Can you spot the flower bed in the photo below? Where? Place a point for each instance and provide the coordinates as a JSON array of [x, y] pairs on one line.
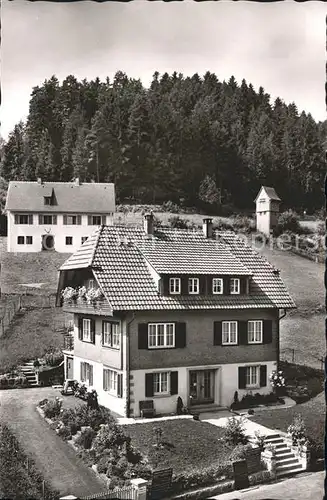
[[253, 400], [13, 380]]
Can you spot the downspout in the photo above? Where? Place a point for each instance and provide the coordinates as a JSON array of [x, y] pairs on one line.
[[128, 359], [278, 344]]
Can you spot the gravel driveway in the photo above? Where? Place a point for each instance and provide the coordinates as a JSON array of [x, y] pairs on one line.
[[54, 458]]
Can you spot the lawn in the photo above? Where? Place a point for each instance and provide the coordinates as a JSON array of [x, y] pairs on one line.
[[187, 444]]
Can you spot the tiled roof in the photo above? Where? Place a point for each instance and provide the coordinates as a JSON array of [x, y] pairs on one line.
[[92, 198], [120, 258], [270, 192]]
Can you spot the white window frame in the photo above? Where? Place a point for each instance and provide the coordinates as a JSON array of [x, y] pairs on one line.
[[174, 286], [43, 223], [71, 220], [193, 286], [252, 370], [111, 334], [161, 381], [85, 377], [255, 330], [110, 381], [214, 283], [234, 291], [226, 329], [20, 216], [154, 335], [95, 223], [86, 331]]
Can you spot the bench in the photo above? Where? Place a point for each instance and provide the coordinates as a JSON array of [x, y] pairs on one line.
[[147, 408]]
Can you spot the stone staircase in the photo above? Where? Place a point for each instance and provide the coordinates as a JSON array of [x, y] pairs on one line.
[[28, 370], [286, 461]]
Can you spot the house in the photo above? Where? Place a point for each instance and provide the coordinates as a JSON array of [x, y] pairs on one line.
[[56, 216], [267, 210], [183, 313]]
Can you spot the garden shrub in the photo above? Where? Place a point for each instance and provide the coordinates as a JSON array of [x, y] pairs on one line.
[[43, 402], [53, 357], [85, 439], [87, 417], [170, 206], [64, 432], [177, 222], [102, 465], [52, 408], [240, 452], [241, 223], [201, 477], [297, 431], [235, 432], [288, 221], [222, 226]]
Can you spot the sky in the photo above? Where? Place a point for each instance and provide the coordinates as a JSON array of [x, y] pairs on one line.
[[280, 46]]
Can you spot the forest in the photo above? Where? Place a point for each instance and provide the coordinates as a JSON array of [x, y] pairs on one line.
[[195, 141]]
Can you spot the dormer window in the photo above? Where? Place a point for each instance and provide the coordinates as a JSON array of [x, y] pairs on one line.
[[217, 286], [48, 200], [193, 286], [174, 286], [234, 286]]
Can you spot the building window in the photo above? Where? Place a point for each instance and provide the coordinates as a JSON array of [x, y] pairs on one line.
[[47, 220], [94, 220], [174, 286], [193, 286], [72, 220], [48, 200], [29, 240], [255, 332], [24, 219], [69, 240], [20, 240], [217, 286], [262, 200], [83, 239], [234, 286], [110, 381], [160, 383], [86, 330], [161, 335], [86, 373], [229, 332], [111, 334], [252, 376]]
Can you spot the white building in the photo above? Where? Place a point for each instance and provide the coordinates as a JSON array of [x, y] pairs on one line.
[[267, 210], [56, 216]]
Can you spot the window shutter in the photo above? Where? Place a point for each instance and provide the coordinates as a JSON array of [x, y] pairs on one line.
[[242, 332], [209, 285], [143, 335], [161, 286], [30, 219], [102, 333], [91, 374], [65, 220], [92, 326], [243, 282], [89, 220], [104, 380], [263, 375], [54, 219], [103, 219], [184, 285], [16, 219], [79, 220], [165, 283], [180, 335], [217, 333], [80, 328], [226, 284], [148, 385], [241, 377], [202, 285], [120, 385], [173, 383], [267, 331], [40, 219], [82, 370]]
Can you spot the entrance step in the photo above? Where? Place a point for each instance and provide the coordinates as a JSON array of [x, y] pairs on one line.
[[206, 408]]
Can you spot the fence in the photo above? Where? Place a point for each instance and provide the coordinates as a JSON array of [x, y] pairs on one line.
[[125, 493], [8, 311]]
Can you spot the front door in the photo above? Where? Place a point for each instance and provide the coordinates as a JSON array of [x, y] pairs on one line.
[[202, 386], [69, 368], [47, 242]]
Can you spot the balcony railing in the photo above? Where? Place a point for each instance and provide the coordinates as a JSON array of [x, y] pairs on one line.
[[97, 308], [68, 343]]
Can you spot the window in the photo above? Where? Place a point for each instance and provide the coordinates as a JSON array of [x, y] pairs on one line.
[[20, 240], [262, 200], [161, 335], [48, 200], [110, 381], [24, 219], [86, 330], [160, 383], [252, 376], [29, 240], [72, 220], [217, 286], [111, 334], [193, 285], [234, 286], [229, 332], [86, 373], [47, 219], [94, 220], [83, 239], [69, 240], [174, 286], [255, 332]]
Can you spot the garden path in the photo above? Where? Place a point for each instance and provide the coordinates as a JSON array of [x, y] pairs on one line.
[[250, 427], [54, 458]]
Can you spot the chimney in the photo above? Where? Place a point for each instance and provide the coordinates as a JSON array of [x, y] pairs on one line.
[[148, 223], [77, 183], [207, 228], [39, 180]]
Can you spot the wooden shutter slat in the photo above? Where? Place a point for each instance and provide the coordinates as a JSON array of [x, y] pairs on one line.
[[263, 375], [241, 377], [120, 385], [148, 385], [143, 336], [267, 331], [173, 383], [242, 333], [180, 335], [92, 326], [217, 333]]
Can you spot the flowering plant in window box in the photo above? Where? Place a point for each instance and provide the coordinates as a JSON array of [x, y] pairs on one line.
[[69, 294], [93, 295], [82, 292]]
